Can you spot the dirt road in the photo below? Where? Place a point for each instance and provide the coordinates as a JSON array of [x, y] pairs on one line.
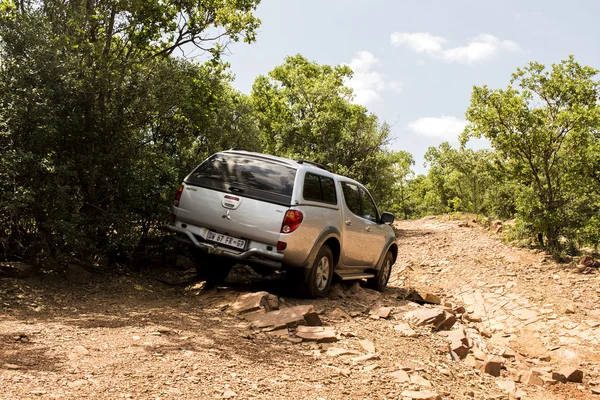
[[130, 336]]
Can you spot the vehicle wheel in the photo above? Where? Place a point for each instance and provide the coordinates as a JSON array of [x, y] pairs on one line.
[[213, 268], [383, 275], [321, 274]]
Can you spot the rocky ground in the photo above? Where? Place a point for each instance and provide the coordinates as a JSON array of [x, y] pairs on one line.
[[465, 317]]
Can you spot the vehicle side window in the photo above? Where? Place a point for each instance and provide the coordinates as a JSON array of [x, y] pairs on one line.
[[319, 188], [369, 208], [352, 197], [328, 187], [312, 188]]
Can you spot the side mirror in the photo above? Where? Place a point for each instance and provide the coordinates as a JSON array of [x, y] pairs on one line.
[[387, 218]]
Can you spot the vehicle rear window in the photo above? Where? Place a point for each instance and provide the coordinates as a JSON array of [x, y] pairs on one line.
[[247, 176], [319, 188]]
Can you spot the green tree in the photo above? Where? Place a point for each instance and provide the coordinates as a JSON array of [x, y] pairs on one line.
[[304, 111], [539, 126], [461, 175], [401, 176], [98, 116]]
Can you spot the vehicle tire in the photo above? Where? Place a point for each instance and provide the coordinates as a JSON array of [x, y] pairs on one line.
[[320, 275], [383, 275], [213, 269]]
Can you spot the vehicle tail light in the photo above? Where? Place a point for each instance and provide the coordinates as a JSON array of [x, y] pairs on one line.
[[178, 196], [171, 219], [281, 246], [291, 221]]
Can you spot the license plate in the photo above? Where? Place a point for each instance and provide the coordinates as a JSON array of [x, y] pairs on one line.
[[226, 240]]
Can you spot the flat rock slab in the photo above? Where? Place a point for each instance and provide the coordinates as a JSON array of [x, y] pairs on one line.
[[530, 378], [456, 336], [507, 385], [419, 380], [381, 312], [288, 317], [400, 376], [366, 357], [440, 319], [367, 345], [405, 330], [571, 374], [250, 302], [425, 316], [339, 313], [423, 297], [319, 333], [421, 395], [339, 351], [15, 269]]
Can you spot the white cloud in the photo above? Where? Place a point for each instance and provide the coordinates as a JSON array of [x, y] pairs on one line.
[[479, 49], [444, 127], [420, 42], [368, 83]]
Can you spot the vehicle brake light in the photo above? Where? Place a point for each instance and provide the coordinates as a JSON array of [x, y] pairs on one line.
[[291, 221], [178, 196], [281, 246]]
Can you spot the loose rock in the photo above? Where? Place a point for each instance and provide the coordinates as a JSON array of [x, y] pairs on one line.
[[423, 297], [531, 378], [426, 395], [419, 380], [321, 334], [338, 351], [405, 330], [368, 346], [492, 365], [290, 317], [381, 312], [508, 386], [400, 376], [440, 319], [250, 302], [571, 374]]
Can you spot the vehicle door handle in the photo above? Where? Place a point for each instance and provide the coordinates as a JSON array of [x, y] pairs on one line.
[[348, 222], [368, 229]]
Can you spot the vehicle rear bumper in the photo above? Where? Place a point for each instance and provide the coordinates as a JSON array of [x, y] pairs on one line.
[[251, 256]]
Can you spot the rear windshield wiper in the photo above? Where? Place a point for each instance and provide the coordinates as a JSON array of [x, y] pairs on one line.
[[236, 189]]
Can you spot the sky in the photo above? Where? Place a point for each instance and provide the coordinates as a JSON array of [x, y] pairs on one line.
[[415, 63]]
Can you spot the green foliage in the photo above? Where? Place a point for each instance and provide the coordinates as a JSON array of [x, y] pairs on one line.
[[304, 111], [461, 176], [538, 129], [98, 122]]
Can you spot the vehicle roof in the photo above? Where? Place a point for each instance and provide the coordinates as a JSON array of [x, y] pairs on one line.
[[283, 160], [291, 163]]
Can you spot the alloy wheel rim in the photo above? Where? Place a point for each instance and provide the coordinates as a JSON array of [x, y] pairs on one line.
[[386, 271], [322, 273]]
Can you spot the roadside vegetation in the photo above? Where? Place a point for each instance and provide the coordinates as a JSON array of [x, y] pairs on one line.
[[103, 112]]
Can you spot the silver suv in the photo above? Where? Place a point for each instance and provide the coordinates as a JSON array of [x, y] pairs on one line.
[[274, 213]]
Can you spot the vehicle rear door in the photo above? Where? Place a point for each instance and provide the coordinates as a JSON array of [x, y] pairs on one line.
[[238, 195]]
